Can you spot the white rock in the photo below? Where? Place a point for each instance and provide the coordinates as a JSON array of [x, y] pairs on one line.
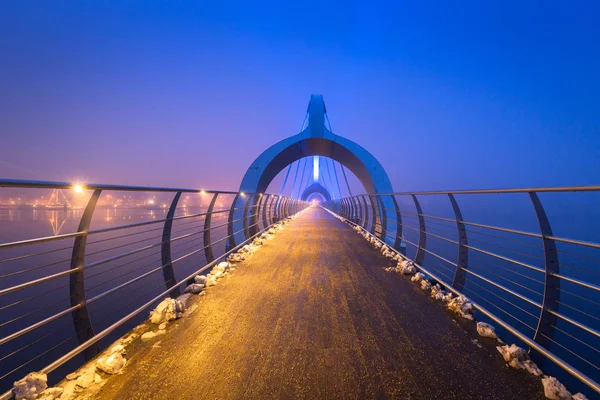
[[31, 386], [461, 306], [417, 277], [579, 396], [517, 358], [184, 299], [167, 310], [112, 363], [447, 298], [200, 279], [437, 292], [486, 330], [425, 284], [194, 288], [86, 377], [217, 274], [119, 348], [554, 390], [212, 281]]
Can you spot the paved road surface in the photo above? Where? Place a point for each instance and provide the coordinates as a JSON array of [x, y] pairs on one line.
[[313, 315]]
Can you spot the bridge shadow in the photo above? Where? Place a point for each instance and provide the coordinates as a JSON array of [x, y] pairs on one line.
[[314, 315]]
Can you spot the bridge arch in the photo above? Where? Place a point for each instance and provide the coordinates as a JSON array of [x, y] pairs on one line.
[[314, 188], [317, 140]]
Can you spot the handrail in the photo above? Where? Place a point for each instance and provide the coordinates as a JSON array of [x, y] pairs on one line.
[[477, 271], [247, 218]]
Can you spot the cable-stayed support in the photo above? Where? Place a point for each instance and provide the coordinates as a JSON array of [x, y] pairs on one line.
[[333, 196], [299, 192], [295, 178], [336, 178], [346, 179], [285, 180]]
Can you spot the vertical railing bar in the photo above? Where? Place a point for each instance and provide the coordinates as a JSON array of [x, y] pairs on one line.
[[255, 215], [463, 252], [374, 215], [230, 238], [81, 317], [267, 200], [422, 245], [398, 240], [383, 218], [165, 248], [544, 333], [245, 216], [208, 251], [366, 213]]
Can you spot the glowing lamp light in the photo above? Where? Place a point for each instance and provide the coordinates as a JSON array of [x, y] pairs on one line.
[[78, 188], [242, 193], [150, 201], [202, 192]]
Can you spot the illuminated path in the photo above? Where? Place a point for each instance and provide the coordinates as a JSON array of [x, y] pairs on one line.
[[313, 315]]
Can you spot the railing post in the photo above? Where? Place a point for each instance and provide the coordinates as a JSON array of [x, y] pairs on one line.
[[165, 248], [544, 332], [230, 237], [275, 211], [208, 253], [286, 202], [374, 215], [245, 217], [254, 215], [398, 240], [422, 245], [366, 212], [463, 252], [267, 200], [383, 218], [81, 316], [354, 212]]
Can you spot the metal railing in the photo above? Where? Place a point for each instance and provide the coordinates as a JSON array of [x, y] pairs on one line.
[[62, 294], [541, 288]]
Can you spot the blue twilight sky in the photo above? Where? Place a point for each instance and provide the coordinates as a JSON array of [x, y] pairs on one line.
[[445, 94]]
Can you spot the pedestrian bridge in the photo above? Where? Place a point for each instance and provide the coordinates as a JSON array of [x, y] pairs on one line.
[[325, 303]]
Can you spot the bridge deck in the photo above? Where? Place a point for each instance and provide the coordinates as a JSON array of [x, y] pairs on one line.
[[314, 315]]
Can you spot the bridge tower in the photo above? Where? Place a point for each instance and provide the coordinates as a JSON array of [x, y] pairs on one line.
[[317, 140]]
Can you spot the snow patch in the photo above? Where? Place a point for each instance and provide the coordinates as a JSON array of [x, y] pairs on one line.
[[437, 292], [554, 390], [417, 277], [461, 306], [200, 279], [167, 310], [31, 386], [579, 396], [425, 284], [51, 393], [151, 335], [111, 364], [194, 288], [486, 330], [517, 358]]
